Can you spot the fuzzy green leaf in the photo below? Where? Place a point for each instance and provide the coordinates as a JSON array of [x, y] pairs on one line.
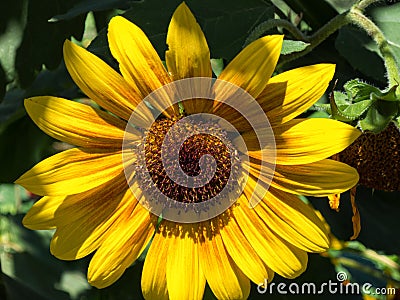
[[390, 95], [290, 46], [379, 116], [387, 18], [356, 110], [343, 109], [359, 91]]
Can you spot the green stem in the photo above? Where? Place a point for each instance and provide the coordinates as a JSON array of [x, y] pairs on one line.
[[363, 4], [354, 16], [273, 23], [318, 37], [358, 18]]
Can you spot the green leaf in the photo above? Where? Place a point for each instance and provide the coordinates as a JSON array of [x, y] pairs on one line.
[[3, 83], [31, 269], [290, 46], [83, 7], [217, 65], [359, 91], [226, 24], [341, 5], [362, 102], [11, 109], [315, 12], [339, 99], [361, 52], [379, 116], [319, 114], [22, 145], [337, 112], [397, 121], [74, 282], [12, 199], [42, 41], [350, 106], [389, 95], [387, 19], [10, 40], [323, 107], [354, 111]]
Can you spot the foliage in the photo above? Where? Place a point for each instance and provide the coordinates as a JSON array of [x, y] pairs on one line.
[[363, 105]]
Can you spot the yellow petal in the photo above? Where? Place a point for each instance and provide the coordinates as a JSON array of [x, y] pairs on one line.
[[230, 113], [283, 258], [122, 247], [188, 54], [303, 141], [321, 178], [250, 70], [242, 253], [293, 220], [85, 220], [223, 276], [41, 214], [290, 93], [257, 185], [72, 171], [76, 123], [52, 211], [100, 82], [154, 278], [139, 62], [252, 67], [185, 279]]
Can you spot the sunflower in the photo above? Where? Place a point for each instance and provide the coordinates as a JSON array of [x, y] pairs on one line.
[[375, 156], [95, 202]]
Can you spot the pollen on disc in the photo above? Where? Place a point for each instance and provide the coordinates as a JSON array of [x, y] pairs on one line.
[[213, 143]]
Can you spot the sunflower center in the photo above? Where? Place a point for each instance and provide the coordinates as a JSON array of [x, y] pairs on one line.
[[189, 162], [376, 158]]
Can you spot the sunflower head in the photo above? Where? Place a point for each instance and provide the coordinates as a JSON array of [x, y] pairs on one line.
[[206, 171], [187, 161], [376, 158]]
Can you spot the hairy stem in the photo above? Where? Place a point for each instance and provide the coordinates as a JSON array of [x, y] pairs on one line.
[[273, 23], [358, 18], [353, 16], [363, 4], [318, 37]]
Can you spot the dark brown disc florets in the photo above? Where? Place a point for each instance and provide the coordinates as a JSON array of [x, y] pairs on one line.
[[376, 158], [210, 142]]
